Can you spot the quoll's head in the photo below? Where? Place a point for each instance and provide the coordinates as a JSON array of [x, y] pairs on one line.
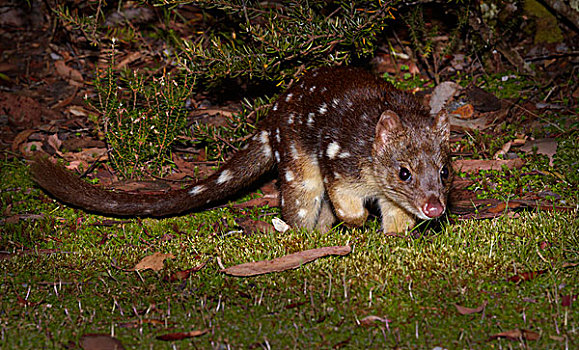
[[412, 163]]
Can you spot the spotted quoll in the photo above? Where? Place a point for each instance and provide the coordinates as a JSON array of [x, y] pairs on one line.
[[340, 138]]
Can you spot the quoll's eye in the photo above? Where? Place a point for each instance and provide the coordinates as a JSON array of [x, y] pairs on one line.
[[404, 174], [444, 173]]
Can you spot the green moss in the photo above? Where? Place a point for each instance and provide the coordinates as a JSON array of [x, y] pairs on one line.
[[50, 298]]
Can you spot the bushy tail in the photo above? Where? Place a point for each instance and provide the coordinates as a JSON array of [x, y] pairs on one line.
[[243, 169]]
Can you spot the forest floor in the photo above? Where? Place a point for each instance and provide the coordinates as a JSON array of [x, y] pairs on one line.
[[500, 271]]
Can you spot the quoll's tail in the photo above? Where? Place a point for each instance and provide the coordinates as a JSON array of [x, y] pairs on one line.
[[244, 168]]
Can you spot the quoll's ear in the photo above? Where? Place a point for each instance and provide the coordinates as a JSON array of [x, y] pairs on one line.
[[442, 124], [388, 125]]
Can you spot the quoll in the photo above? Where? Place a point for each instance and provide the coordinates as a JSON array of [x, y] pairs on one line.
[[340, 138]]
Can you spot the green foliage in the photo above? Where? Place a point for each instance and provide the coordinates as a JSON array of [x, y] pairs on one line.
[[87, 25], [220, 139], [140, 117], [275, 42], [429, 50]]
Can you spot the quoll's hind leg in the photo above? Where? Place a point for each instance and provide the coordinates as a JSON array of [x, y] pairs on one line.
[[326, 218], [394, 218], [348, 204], [302, 192]]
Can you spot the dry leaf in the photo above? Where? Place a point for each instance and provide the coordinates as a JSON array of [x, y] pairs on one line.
[[54, 142], [286, 262], [21, 138], [547, 147], [517, 334], [464, 112], [250, 226], [181, 335], [504, 150], [441, 94], [66, 72], [153, 262], [184, 274], [475, 165], [280, 225], [371, 320], [467, 311], [99, 342]]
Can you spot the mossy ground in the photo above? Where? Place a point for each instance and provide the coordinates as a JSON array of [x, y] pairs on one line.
[[65, 277]]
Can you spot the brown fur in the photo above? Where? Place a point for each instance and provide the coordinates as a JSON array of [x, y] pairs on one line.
[[339, 139]]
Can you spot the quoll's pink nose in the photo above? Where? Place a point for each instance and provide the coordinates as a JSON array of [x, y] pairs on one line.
[[433, 208]]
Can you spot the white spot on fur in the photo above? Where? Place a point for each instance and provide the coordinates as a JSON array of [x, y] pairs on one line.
[[196, 190], [277, 135], [344, 155], [289, 176], [294, 151], [349, 103], [323, 108], [224, 177], [277, 157], [313, 88], [288, 97], [275, 107], [337, 176], [302, 213], [324, 89], [266, 150], [264, 137], [298, 202], [325, 179], [310, 119], [282, 201], [335, 102], [333, 149], [290, 118]]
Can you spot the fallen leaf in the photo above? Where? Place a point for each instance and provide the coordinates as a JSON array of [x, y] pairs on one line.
[[547, 147], [280, 225], [504, 150], [54, 142], [525, 276], [99, 342], [481, 100], [371, 320], [67, 72], [441, 94], [286, 262], [153, 262], [499, 208], [467, 311], [458, 124], [464, 112], [250, 226], [20, 139], [475, 165], [24, 112], [184, 274], [517, 334], [181, 335]]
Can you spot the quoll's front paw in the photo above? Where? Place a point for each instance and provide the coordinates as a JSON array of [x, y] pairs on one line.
[[353, 219]]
